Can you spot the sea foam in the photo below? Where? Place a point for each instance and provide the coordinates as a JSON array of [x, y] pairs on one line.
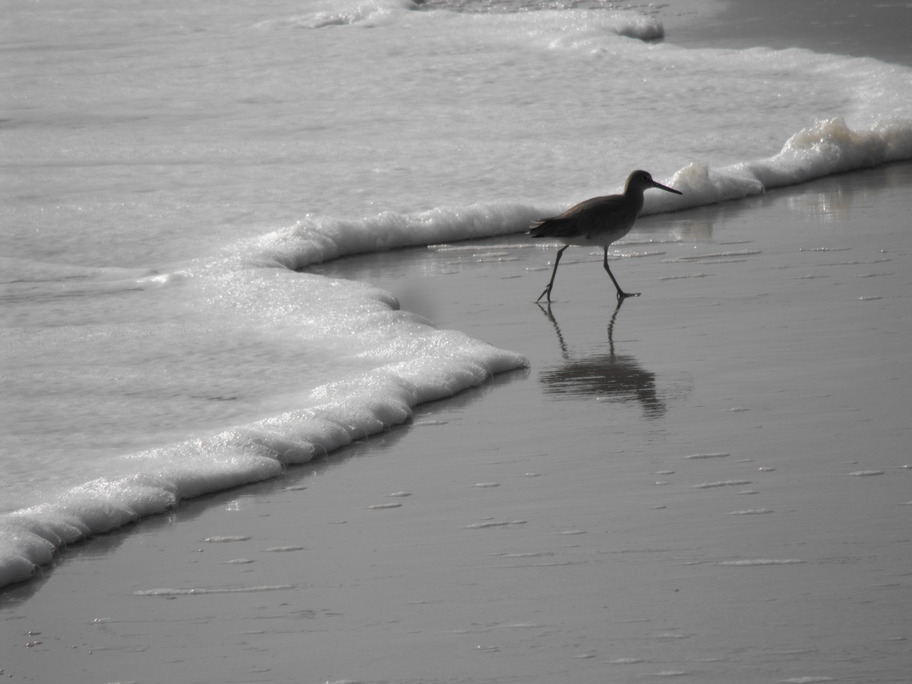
[[340, 413], [385, 362], [828, 147]]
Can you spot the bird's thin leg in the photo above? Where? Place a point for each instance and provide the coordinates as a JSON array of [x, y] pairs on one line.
[[547, 290], [620, 293]]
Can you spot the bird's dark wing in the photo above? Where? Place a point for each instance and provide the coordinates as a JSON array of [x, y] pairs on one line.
[[577, 220]]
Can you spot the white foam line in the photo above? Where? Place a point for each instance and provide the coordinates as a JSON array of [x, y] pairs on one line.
[[482, 248], [714, 455], [198, 591], [724, 483], [762, 561], [721, 255]]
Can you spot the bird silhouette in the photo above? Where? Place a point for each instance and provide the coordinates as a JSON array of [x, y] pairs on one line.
[[597, 221]]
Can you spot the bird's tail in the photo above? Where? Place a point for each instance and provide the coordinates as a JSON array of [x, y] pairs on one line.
[[550, 227], [535, 228]]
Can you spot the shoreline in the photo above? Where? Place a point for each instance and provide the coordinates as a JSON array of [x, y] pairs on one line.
[[711, 480]]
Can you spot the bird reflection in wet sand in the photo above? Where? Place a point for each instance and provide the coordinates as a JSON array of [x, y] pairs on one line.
[[609, 376]]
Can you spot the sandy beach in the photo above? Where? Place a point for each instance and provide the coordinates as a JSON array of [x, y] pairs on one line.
[[711, 483]]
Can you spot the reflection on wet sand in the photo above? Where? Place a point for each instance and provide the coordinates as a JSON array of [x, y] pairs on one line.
[[608, 376]]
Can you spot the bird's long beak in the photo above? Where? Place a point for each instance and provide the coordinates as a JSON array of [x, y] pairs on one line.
[[666, 188]]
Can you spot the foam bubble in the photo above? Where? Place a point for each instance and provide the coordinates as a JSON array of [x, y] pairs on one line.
[[721, 483], [757, 562]]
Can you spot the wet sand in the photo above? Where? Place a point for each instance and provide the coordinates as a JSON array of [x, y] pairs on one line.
[[711, 482]]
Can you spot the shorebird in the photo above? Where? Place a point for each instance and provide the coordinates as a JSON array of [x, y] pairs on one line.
[[597, 221]]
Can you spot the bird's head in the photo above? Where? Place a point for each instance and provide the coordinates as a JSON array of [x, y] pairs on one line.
[[642, 180]]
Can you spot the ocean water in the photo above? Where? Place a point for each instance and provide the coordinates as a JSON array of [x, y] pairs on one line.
[[171, 170]]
